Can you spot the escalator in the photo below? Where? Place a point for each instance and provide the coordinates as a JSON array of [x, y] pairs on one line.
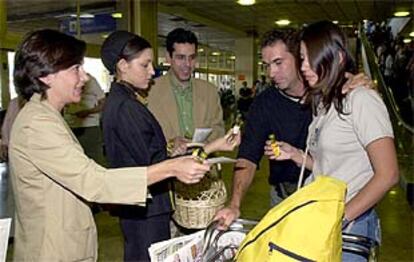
[[403, 130]]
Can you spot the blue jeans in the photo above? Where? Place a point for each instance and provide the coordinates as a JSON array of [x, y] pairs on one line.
[[281, 191], [366, 225]]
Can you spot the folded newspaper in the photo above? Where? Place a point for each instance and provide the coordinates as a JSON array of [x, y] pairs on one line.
[[185, 248], [190, 248], [4, 237]]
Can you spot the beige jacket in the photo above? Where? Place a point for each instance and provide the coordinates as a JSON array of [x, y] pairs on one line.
[[53, 181], [207, 111]]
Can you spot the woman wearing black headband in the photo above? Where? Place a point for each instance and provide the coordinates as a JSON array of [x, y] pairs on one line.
[[133, 137]]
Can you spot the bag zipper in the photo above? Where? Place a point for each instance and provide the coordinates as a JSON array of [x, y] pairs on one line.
[[273, 246], [275, 223]]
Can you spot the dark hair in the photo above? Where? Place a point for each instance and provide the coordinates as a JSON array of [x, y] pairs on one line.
[[180, 36], [133, 48], [288, 37], [41, 53], [325, 42]]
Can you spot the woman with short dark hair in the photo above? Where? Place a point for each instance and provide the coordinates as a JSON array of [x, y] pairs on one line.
[[53, 180]]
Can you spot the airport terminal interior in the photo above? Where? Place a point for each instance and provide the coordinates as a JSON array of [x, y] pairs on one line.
[[229, 54]]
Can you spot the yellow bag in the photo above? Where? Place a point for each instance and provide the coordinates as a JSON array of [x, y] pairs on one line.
[[304, 227]]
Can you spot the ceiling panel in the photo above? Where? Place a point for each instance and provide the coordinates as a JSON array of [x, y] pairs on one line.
[[216, 22]]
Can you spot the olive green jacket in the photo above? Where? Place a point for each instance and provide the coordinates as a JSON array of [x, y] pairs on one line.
[[207, 111]]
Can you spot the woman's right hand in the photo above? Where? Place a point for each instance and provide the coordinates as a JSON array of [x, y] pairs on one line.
[[189, 171]]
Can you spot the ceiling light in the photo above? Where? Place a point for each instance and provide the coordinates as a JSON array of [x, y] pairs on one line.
[[200, 50], [412, 34], [401, 13], [335, 22], [104, 36], [215, 53], [407, 40], [117, 15], [84, 15], [246, 2], [232, 57], [282, 22]]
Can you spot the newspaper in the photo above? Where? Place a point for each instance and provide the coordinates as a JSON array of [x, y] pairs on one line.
[[185, 248], [220, 160], [4, 237], [201, 134], [190, 248]]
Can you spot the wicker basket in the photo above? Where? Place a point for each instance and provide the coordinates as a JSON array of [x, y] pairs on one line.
[[197, 204]]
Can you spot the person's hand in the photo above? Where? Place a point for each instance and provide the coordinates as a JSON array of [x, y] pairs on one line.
[[189, 171], [179, 146], [286, 151], [355, 81], [82, 114], [226, 143], [226, 217]]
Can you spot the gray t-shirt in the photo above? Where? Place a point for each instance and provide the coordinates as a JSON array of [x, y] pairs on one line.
[[338, 143]]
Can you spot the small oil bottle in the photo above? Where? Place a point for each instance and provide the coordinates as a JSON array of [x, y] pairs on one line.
[[238, 122], [199, 154], [274, 145]]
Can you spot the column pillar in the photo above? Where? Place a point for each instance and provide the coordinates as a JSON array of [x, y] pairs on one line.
[[246, 61], [144, 22], [4, 71]]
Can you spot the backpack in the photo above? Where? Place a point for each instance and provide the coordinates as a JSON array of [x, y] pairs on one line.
[[306, 226]]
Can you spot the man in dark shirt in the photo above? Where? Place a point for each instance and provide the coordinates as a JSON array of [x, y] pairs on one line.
[[278, 110]]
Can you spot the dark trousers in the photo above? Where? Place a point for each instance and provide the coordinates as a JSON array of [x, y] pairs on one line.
[[140, 233]]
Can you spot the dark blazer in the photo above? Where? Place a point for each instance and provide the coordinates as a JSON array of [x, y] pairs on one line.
[[133, 137]]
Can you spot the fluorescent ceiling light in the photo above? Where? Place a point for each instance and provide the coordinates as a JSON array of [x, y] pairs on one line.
[[282, 22], [412, 34], [117, 15], [200, 50], [246, 2], [84, 15], [407, 40], [401, 13], [215, 53], [335, 22], [232, 57]]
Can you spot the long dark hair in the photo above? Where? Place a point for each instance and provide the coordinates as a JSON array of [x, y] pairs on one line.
[[41, 53], [326, 43]]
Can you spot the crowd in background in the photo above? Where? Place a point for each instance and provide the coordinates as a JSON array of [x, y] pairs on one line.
[[396, 62]]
